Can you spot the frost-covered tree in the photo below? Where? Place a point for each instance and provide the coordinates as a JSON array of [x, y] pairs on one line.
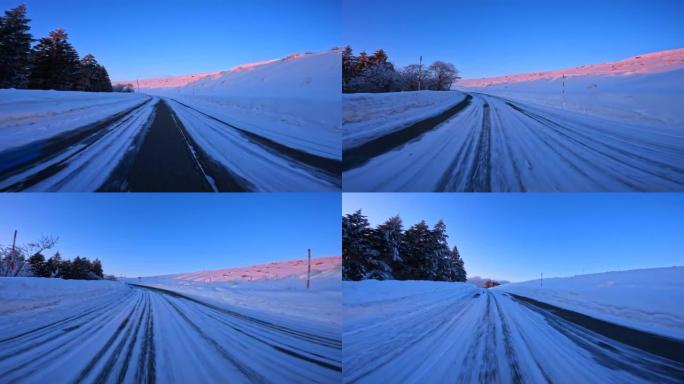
[[458, 267], [55, 63], [15, 48], [442, 75], [14, 260], [96, 267], [357, 245], [442, 268], [419, 252]]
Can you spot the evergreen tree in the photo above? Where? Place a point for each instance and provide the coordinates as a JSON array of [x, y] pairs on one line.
[[15, 48], [93, 77], [418, 251], [458, 266], [440, 265], [96, 268], [38, 265], [54, 265], [55, 63], [357, 246]]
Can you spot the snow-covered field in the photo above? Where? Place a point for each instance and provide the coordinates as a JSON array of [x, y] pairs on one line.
[[28, 116], [173, 330], [435, 332], [294, 101], [268, 126], [621, 131], [275, 288], [648, 299], [367, 116]]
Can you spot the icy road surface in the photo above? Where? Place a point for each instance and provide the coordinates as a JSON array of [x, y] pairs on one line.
[[141, 334], [492, 143], [474, 335]]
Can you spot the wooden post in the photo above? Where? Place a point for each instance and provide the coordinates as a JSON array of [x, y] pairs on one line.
[[308, 273]]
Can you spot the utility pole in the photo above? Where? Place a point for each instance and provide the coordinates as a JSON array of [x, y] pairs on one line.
[[308, 273], [13, 256], [541, 280], [420, 71], [138, 83]]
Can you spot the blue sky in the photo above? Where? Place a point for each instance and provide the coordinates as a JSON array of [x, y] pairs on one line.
[[152, 38], [516, 236], [151, 234], [497, 37]]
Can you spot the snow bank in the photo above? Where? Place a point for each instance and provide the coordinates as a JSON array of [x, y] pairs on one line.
[[294, 101], [370, 302], [28, 294], [273, 289], [32, 115], [646, 299], [366, 116]]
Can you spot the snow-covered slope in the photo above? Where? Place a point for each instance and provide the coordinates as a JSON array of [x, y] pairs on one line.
[[367, 116], [278, 287], [647, 299], [654, 62], [294, 101]]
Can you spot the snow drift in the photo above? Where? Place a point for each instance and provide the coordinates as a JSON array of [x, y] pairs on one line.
[[645, 299]]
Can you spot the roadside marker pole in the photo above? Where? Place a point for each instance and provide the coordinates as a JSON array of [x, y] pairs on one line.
[[541, 280], [420, 71], [12, 255], [308, 273]]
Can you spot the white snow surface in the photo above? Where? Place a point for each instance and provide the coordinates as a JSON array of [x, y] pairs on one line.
[[275, 288], [32, 115], [436, 332], [367, 116], [647, 299], [294, 101], [54, 330]]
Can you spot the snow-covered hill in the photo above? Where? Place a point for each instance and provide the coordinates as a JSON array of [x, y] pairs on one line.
[[294, 101], [655, 62], [278, 287], [647, 299]]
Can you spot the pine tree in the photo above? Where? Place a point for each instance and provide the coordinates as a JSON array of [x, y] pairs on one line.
[[93, 77], [356, 245], [96, 267], [441, 264], [458, 266], [418, 252], [15, 48], [55, 63], [54, 265]]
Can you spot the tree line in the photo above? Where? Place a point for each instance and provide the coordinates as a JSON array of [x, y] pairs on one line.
[[28, 260], [52, 63], [389, 252], [375, 73]]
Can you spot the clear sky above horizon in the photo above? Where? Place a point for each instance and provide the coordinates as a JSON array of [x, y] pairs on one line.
[[155, 38], [162, 233], [498, 37], [515, 236]]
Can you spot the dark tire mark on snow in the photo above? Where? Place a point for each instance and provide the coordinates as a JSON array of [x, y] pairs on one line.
[[659, 345], [248, 372], [15, 161], [318, 339], [357, 156], [508, 345], [330, 166]]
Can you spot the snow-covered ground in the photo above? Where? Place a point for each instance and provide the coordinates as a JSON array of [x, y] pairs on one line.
[[174, 330], [275, 288], [294, 101], [435, 332], [28, 116], [367, 116], [646, 299], [622, 131]]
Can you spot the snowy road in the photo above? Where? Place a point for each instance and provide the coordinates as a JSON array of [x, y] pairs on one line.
[[162, 145], [152, 335], [489, 336], [497, 144]]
